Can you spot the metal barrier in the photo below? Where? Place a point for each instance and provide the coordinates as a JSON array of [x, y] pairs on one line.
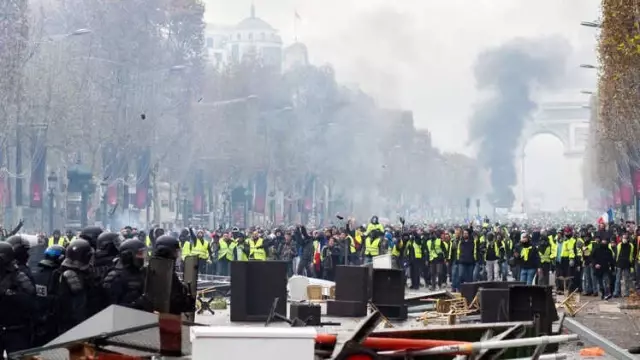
[[596, 339]]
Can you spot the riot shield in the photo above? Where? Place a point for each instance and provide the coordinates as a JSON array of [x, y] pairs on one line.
[[190, 279], [157, 287]]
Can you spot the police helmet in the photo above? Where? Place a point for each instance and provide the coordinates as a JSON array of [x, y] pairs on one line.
[[166, 246], [132, 252], [80, 252], [55, 253], [91, 234], [6, 253], [20, 247], [108, 241]]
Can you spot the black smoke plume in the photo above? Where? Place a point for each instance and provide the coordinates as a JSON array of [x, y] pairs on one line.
[[509, 74]]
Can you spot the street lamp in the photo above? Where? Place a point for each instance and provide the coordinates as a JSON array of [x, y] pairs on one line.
[[593, 24], [588, 66], [52, 184], [103, 188], [183, 196], [586, 92]]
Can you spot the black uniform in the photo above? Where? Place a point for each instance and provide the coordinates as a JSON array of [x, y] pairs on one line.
[[181, 301], [21, 248], [104, 260], [75, 284], [17, 304], [124, 284], [46, 279]]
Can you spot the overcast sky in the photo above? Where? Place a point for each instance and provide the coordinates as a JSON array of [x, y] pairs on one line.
[[419, 54]]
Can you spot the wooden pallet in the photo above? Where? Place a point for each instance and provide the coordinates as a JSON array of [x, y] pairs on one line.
[[449, 310], [571, 304]]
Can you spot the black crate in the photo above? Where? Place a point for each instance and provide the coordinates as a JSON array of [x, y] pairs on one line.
[[470, 290], [341, 308], [494, 305], [394, 312], [254, 286], [526, 302], [306, 312], [352, 283], [387, 287]]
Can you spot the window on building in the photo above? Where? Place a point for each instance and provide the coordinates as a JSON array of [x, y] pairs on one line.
[[250, 36], [239, 36], [263, 36], [210, 43]]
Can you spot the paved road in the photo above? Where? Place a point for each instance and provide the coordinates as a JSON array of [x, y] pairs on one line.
[[221, 318], [604, 317]]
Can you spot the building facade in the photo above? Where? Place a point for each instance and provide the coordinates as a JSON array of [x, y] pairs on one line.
[[251, 37]]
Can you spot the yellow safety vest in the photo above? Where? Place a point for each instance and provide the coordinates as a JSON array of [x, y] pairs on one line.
[[434, 250], [199, 249], [568, 248], [451, 253], [475, 248], [554, 247], [225, 250], [372, 227], [352, 245], [62, 241], [396, 249], [630, 252], [186, 249], [496, 248], [525, 253], [417, 250], [587, 249], [545, 257], [256, 251], [147, 242], [372, 248], [581, 242], [240, 254]]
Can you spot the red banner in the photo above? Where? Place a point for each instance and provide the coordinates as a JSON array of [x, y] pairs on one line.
[[617, 198], [626, 193], [112, 195], [636, 181]]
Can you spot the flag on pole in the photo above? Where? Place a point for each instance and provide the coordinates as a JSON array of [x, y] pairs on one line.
[[297, 15], [606, 217]]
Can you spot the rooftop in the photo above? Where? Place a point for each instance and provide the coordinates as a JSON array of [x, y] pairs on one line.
[[253, 22]]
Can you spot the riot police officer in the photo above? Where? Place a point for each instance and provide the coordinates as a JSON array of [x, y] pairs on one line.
[[17, 303], [106, 251], [46, 279], [75, 285], [91, 234], [21, 248], [124, 284], [168, 247]]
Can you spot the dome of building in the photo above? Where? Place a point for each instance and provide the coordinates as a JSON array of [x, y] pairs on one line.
[[253, 22]]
